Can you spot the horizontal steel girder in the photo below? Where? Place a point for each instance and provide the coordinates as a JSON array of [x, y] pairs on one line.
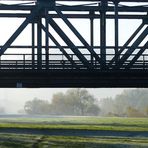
[[63, 78]]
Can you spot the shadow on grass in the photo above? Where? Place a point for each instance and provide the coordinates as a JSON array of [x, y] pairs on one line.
[[92, 145], [10, 144], [40, 143]]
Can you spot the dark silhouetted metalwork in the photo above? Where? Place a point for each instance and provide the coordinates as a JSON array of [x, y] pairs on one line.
[[58, 54]]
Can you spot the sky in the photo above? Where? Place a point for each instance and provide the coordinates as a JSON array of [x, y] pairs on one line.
[[14, 99]]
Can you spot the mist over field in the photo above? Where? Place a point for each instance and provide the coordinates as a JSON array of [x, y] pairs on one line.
[[14, 99]]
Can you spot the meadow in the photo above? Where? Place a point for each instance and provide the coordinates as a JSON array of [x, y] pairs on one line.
[[73, 132]]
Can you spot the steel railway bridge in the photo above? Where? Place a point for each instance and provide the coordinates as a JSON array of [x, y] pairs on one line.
[[73, 43]]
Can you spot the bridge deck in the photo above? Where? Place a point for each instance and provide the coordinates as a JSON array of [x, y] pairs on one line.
[[73, 78]]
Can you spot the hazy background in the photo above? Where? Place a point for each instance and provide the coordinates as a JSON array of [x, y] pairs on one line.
[[14, 99]]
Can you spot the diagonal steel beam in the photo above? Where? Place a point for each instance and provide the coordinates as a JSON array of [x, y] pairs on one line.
[[133, 47], [59, 46], [79, 36], [137, 55], [69, 42], [19, 30], [126, 44]]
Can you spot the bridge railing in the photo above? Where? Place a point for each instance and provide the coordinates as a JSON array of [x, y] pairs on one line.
[[58, 61]]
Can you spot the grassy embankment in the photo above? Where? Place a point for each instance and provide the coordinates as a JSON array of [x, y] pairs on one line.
[[87, 123]]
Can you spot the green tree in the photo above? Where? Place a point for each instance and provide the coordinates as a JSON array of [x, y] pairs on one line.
[[58, 104], [106, 106], [119, 106], [93, 110], [37, 106], [146, 111], [2, 110], [132, 112], [75, 102]]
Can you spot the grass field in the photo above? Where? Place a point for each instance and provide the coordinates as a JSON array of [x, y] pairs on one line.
[[73, 124]]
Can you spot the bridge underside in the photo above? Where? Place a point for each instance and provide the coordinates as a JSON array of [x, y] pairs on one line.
[[73, 78], [74, 43]]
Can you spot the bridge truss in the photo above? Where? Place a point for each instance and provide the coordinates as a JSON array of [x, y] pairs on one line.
[[73, 43]]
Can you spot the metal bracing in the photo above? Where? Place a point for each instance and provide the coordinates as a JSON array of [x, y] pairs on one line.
[[132, 48], [33, 44], [39, 42], [60, 53], [137, 56], [103, 33], [116, 32], [59, 46], [19, 30], [84, 42], [47, 40], [127, 43], [92, 34], [69, 42], [92, 52]]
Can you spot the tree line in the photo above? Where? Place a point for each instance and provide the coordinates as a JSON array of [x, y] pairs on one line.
[[2, 110], [130, 103], [77, 102]]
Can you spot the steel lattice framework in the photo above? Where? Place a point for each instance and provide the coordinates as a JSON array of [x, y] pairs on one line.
[[59, 53]]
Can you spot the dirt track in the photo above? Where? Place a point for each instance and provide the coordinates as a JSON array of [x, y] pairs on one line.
[[69, 132]]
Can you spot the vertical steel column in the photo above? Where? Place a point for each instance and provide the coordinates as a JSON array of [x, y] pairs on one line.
[[103, 33], [92, 33], [33, 44], [46, 40], [39, 43], [116, 32], [46, 5]]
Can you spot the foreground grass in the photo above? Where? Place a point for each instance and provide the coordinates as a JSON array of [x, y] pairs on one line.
[[77, 123], [31, 141], [81, 123]]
